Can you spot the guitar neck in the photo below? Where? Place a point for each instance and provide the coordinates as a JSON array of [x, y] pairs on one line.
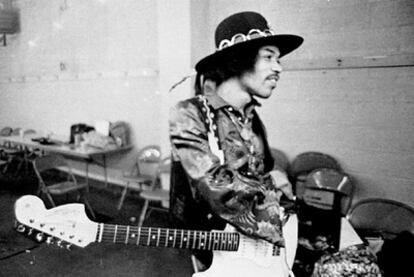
[[163, 237]]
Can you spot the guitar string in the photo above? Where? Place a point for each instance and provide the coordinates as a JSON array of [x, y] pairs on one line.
[[227, 241], [170, 237], [149, 236]]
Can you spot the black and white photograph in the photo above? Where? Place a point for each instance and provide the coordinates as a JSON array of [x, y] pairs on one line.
[[207, 138]]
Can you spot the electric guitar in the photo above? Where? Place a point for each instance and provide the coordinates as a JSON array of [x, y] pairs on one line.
[[234, 253]]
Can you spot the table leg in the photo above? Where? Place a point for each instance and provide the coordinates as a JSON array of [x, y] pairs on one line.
[[105, 172], [87, 173]]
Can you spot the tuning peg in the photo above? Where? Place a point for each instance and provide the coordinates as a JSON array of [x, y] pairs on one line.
[[49, 240], [30, 232], [20, 228], [68, 246], [59, 243], [40, 237]]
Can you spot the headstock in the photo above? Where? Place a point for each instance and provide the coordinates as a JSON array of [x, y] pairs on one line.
[[65, 224]]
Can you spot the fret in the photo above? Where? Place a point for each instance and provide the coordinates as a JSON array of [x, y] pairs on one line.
[[101, 226], [167, 237], [175, 237], [149, 236], [228, 241], [171, 238], [181, 239], [138, 234], [116, 229], [185, 238], [204, 242], [210, 241], [236, 245], [127, 235], [188, 238], [194, 239], [219, 239], [223, 238], [158, 237]]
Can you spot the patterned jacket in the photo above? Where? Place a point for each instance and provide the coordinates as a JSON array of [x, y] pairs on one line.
[[227, 177]]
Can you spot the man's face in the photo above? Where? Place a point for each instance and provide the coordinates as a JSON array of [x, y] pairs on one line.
[[262, 79]]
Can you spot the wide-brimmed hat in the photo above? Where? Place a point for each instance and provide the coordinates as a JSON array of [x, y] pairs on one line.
[[244, 30]]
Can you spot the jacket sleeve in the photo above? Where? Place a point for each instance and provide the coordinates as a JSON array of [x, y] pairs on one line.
[[250, 205]]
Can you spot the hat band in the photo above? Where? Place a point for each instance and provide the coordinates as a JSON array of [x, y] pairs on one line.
[[239, 38]]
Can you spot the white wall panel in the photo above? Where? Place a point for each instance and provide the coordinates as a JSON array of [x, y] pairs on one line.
[[79, 61]]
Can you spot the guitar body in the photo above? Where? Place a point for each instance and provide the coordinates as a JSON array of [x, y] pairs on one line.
[[254, 258], [225, 265]]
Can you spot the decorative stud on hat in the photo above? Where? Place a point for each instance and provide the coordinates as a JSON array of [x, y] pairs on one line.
[[243, 30]]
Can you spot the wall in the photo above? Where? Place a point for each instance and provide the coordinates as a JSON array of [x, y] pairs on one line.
[[82, 61], [348, 91]]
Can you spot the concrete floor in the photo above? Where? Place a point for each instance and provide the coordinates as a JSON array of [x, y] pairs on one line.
[[22, 256]]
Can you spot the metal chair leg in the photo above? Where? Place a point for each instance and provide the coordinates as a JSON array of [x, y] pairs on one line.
[[124, 192], [89, 207], [50, 199], [143, 213]]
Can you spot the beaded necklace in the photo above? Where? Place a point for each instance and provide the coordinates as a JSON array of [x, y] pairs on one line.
[[244, 128], [213, 139]]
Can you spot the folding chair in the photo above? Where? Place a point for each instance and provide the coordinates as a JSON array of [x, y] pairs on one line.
[[143, 171], [381, 217], [304, 163], [61, 182], [326, 182], [158, 193]]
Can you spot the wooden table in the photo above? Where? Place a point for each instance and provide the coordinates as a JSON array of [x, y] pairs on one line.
[[89, 154]]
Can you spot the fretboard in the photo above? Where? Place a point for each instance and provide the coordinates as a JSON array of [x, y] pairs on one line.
[[162, 237]]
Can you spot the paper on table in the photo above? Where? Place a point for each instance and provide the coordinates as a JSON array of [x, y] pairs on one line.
[[348, 235], [102, 127]]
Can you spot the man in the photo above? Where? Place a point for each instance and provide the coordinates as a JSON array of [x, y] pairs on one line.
[[222, 170]]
